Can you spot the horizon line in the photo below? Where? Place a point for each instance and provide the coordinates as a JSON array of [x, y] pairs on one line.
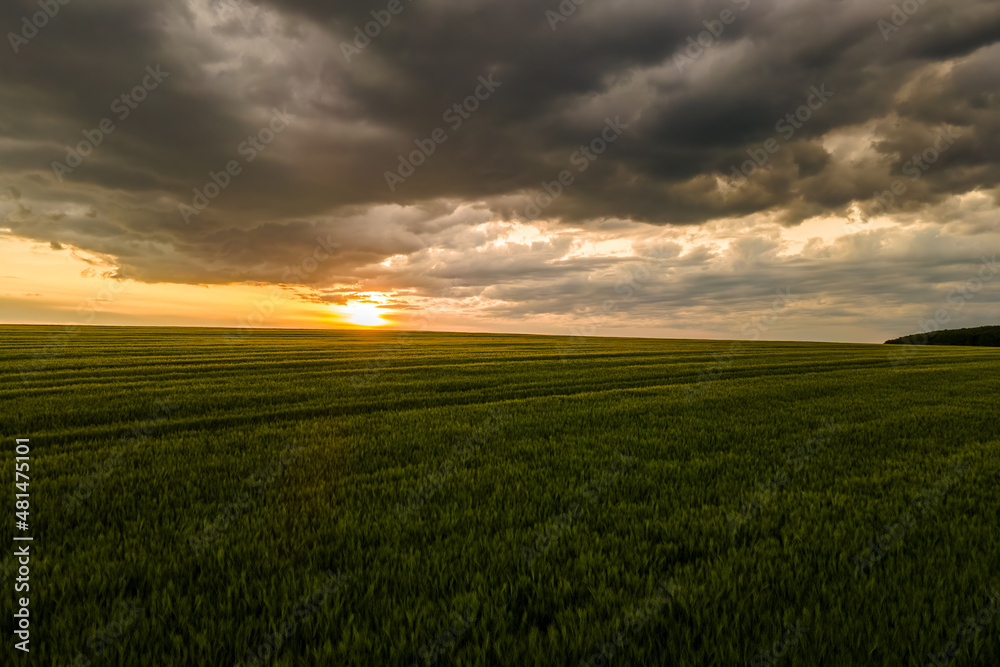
[[423, 331]]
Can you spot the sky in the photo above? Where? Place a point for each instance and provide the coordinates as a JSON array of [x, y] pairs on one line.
[[773, 169]]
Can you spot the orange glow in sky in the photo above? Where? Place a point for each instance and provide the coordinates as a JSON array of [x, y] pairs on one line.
[[39, 285]]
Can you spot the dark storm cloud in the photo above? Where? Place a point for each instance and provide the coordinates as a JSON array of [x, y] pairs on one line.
[[691, 116]]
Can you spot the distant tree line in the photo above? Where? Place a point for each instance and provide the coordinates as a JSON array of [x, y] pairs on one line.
[[976, 336]]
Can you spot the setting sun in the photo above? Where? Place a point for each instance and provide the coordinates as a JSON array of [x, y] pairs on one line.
[[363, 313]]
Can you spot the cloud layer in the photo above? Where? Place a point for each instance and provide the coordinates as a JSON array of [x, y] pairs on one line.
[[737, 118]]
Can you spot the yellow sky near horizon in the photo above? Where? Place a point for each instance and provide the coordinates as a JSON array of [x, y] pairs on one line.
[[41, 285]]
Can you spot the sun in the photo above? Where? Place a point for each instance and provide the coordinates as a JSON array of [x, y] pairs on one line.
[[363, 313]]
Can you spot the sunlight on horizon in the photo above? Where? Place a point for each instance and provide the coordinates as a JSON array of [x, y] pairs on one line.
[[365, 312]]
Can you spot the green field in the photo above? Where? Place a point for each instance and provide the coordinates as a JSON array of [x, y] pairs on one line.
[[372, 498]]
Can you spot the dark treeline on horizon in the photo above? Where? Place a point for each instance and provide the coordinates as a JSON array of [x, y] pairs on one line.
[[976, 336]]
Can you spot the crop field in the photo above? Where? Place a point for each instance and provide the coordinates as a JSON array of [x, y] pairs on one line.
[[201, 497]]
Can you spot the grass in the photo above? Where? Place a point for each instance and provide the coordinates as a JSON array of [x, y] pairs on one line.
[[376, 498]]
